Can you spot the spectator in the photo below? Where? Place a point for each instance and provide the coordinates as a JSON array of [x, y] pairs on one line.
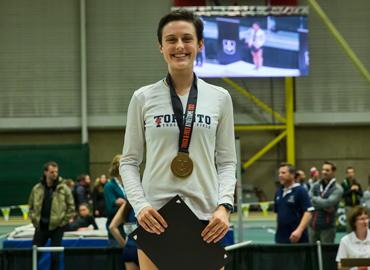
[[315, 176], [125, 214], [357, 243], [114, 195], [84, 221], [98, 197], [325, 195], [51, 207], [293, 206], [300, 178], [366, 196], [352, 192], [82, 192], [70, 183]]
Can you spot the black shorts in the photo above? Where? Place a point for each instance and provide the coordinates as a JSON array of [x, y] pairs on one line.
[[225, 241], [129, 252]]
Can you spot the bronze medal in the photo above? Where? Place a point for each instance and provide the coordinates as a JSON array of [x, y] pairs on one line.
[[182, 165]]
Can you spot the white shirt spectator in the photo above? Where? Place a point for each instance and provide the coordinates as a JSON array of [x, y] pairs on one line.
[[352, 247]]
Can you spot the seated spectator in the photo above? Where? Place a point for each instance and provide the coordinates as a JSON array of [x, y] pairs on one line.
[[357, 243], [82, 192], [125, 214], [84, 221], [98, 197]]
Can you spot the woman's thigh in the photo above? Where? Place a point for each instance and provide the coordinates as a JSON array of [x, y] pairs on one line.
[[144, 262]]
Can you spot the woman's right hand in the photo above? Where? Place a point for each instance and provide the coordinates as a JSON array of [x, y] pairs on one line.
[[151, 220]]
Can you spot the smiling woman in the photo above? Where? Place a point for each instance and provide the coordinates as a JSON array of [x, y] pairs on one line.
[[357, 243], [186, 126]]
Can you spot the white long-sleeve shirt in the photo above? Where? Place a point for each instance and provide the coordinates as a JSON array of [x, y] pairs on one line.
[[151, 124], [256, 38]]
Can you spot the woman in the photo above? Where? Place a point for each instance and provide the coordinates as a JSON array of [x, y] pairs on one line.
[[256, 40], [357, 243], [182, 161], [129, 254], [114, 195]]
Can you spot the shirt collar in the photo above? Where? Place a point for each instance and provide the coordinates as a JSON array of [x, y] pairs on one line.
[[287, 190], [354, 238]]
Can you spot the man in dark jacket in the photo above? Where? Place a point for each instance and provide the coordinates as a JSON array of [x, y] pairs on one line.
[[82, 192], [325, 195], [51, 208], [352, 192]]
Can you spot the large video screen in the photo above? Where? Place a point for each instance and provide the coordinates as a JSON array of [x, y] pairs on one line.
[[254, 46]]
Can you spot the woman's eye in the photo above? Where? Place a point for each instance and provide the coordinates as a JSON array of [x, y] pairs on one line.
[[171, 40], [188, 39]]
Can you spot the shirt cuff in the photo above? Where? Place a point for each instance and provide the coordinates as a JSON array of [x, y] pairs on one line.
[[141, 207]]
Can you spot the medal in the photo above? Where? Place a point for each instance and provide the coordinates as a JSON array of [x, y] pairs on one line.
[[182, 165]]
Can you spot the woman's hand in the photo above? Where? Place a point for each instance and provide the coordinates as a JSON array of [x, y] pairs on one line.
[[218, 226], [151, 220]]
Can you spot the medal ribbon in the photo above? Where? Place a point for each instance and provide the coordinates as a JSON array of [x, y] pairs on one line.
[[184, 122]]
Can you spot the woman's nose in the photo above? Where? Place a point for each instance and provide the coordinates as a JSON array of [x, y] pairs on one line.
[[180, 43]]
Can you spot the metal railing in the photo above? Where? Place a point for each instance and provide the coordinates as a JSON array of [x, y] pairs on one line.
[[36, 249]]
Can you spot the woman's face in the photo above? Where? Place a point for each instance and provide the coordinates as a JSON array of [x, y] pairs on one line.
[[180, 45], [362, 222]]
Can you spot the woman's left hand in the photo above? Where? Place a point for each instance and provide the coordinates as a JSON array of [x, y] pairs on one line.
[[218, 226]]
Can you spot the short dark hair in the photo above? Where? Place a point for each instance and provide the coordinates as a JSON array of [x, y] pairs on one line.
[[298, 173], [333, 166], [291, 168], [349, 168], [48, 164], [181, 15], [84, 205], [81, 177], [354, 214]]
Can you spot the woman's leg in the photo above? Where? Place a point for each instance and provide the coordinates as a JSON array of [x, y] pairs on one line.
[[144, 262], [260, 58], [131, 266]]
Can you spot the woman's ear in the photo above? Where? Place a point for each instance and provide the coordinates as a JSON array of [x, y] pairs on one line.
[[160, 47]]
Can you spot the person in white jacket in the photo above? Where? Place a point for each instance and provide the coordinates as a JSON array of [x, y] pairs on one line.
[[186, 127], [256, 40]]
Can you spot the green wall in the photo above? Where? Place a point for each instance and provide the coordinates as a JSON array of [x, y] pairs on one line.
[[21, 167]]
